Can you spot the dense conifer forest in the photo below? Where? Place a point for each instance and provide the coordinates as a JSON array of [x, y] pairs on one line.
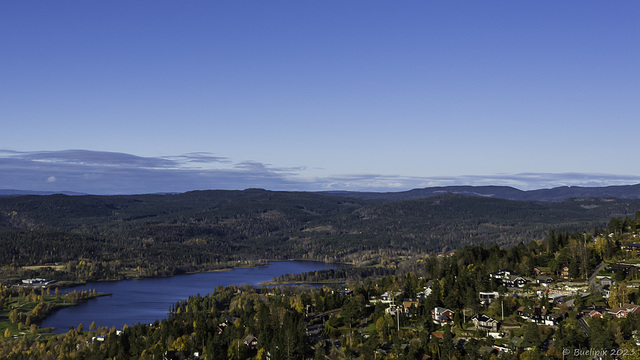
[[161, 235]]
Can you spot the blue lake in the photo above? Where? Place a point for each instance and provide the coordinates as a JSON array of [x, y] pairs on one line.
[[147, 300]]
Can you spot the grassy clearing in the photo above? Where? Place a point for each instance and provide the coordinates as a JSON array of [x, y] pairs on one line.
[[23, 310], [59, 267]]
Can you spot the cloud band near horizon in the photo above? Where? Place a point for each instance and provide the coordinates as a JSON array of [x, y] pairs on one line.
[[108, 173]]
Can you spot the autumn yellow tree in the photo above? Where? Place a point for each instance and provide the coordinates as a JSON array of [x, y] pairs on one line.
[[601, 244], [619, 295], [261, 354], [181, 343]]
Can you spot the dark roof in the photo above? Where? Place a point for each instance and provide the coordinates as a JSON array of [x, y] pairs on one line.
[[620, 266], [250, 338], [176, 355], [482, 318]]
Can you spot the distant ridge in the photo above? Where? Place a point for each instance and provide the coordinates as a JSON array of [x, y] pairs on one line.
[[492, 191], [501, 192], [14, 192]]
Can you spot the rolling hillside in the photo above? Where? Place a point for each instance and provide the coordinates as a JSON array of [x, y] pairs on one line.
[[198, 229]]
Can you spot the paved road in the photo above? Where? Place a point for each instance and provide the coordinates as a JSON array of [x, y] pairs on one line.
[[592, 278], [327, 313]]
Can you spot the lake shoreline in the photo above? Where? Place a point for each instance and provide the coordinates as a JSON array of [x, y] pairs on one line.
[[146, 300], [67, 284]]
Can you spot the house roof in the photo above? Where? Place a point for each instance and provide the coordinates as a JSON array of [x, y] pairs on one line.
[[440, 310], [250, 338], [625, 307], [511, 325], [482, 318]]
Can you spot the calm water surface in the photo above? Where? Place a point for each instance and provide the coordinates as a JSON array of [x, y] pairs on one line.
[[147, 300]]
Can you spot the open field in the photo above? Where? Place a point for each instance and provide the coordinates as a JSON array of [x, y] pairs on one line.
[[56, 267]]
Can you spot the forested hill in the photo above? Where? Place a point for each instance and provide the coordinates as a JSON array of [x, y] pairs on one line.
[[200, 229], [503, 192], [499, 192]]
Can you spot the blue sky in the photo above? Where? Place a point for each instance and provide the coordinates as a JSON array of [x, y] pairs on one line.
[[147, 96]]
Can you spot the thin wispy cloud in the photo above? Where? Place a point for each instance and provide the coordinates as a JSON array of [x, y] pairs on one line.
[[99, 172], [200, 158], [119, 173], [89, 158]]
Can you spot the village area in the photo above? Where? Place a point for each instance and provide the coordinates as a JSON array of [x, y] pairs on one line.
[[523, 315]]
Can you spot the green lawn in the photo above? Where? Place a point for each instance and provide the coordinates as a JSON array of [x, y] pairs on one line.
[[25, 309], [370, 328]]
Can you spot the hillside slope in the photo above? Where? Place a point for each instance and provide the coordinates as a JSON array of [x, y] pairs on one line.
[[204, 227]]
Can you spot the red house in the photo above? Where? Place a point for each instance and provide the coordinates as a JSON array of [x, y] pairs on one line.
[[624, 310], [442, 316]]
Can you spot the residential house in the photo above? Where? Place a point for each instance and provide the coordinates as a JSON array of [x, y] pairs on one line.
[[605, 280], [484, 322], [625, 269], [544, 279], [407, 304], [488, 297], [553, 319], [442, 316], [502, 274], [599, 305], [515, 281], [540, 315], [251, 342], [392, 309], [502, 348], [508, 279], [592, 314], [426, 291], [387, 297], [624, 310]]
